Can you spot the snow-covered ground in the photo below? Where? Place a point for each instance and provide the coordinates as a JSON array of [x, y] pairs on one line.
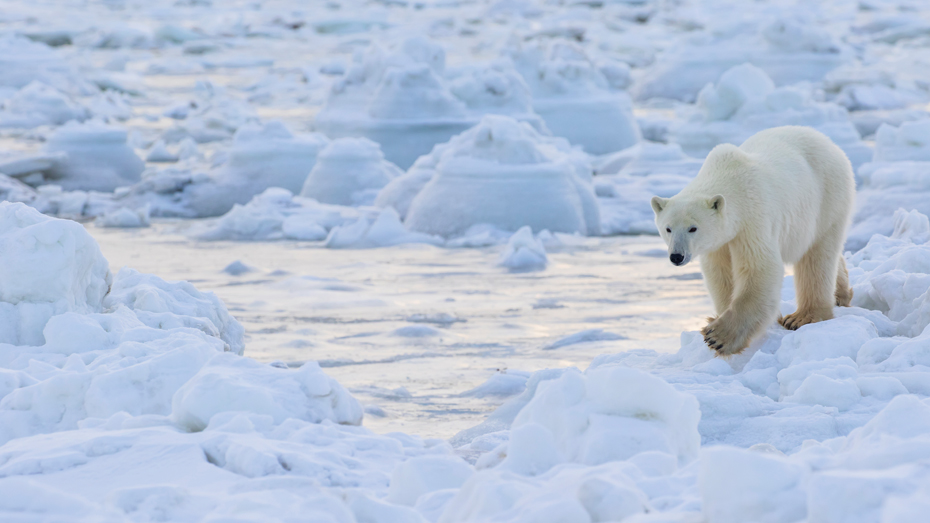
[[377, 261]]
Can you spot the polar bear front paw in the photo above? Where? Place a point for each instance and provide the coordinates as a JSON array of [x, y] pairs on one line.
[[722, 336], [798, 319]]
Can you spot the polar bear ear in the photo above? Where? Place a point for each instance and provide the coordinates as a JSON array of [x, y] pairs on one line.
[[658, 204], [716, 203]]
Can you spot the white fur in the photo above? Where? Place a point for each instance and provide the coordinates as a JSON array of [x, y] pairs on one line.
[[785, 196]]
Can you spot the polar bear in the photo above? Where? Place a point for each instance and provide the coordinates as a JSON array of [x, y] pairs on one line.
[[784, 196]]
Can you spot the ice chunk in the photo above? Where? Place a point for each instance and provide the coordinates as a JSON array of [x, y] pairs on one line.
[[789, 51], [504, 383], [572, 95], [908, 142], [229, 383], [38, 104], [744, 101], [124, 217], [523, 252], [161, 303], [763, 487], [50, 267], [487, 174], [24, 62], [98, 157], [383, 230], [261, 157], [347, 171], [403, 99], [611, 413], [419, 476]]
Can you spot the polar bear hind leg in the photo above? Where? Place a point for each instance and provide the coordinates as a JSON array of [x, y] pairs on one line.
[[844, 292], [816, 279]]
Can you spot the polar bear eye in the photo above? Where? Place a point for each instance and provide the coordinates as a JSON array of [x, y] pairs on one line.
[[692, 229], [668, 230]]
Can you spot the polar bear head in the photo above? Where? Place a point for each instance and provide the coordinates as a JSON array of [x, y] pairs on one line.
[[690, 226]]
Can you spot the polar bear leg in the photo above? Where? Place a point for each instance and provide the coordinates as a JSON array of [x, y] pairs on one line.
[[718, 276], [815, 282], [757, 276], [844, 292]]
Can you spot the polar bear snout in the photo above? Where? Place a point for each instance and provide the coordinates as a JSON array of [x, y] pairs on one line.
[[678, 259]]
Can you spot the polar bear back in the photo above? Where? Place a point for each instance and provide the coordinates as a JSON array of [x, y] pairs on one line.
[[791, 182]]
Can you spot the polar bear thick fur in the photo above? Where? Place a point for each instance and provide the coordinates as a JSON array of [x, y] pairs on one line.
[[784, 196]]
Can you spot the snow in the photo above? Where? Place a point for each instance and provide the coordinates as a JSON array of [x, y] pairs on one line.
[[788, 50], [124, 217], [574, 98], [494, 159], [276, 214], [251, 387], [593, 419], [25, 62], [524, 252], [504, 173], [745, 101], [401, 99], [790, 428], [51, 267], [261, 157], [348, 171], [97, 157], [38, 104]]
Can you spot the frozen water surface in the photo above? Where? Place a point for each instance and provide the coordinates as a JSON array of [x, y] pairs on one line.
[[411, 328]]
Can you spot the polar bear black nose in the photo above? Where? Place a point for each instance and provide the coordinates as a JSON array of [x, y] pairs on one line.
[[676, 258]]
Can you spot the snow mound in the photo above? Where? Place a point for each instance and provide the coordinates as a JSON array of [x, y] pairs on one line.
[[38, 104], [422, 475], [228, 383], [506, 382], [878, 87], [124, 217], [647, 158], [504, 173], [787, 50], [607, 414], [13, 190], [383, 230], [766, 487], [211, 116], [606, 492], [50, 267], [157, 302], [574, 98], [403, 100], [745, 101], [98, 157], [78, 344], [908, 142], [277, 214], [885, 187], [523, 252], [24, 61], [400, 192], [349, 171], [262, 156], [896, 178]]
